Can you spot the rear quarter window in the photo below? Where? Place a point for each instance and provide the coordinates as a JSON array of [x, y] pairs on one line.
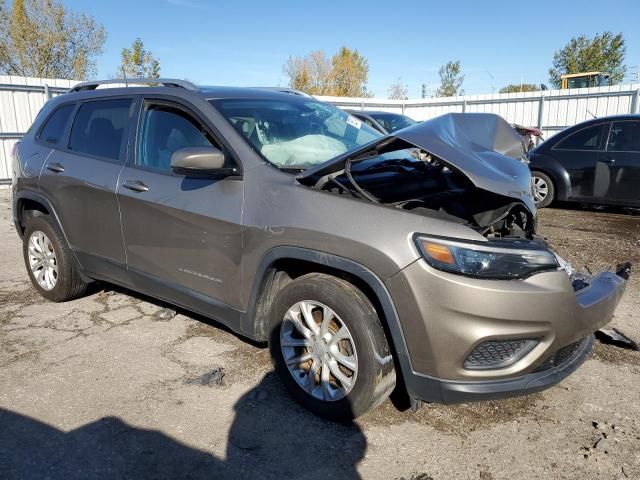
[[54, 126], [99, 127], [588, 138]]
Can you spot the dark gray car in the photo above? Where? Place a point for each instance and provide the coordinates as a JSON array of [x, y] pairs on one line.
[[358, 257], [384, 122]]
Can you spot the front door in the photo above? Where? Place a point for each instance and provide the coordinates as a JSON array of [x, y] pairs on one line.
[[181, 234], [623, 160], [578, 153]]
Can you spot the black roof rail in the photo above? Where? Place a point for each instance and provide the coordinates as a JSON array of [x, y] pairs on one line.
[[164, 82], [292, 91]]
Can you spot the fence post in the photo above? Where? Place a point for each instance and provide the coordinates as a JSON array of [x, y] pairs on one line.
[[464, 106], [403, 107], [47, 92], [635, 103], [540, 114]]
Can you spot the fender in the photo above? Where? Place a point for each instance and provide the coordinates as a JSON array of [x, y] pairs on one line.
[[555, 170], [338, 263]]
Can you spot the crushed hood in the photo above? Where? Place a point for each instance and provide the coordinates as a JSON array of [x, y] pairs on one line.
[[482, 146]]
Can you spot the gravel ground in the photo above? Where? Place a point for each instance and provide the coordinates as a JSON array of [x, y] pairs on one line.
[[114, 385]]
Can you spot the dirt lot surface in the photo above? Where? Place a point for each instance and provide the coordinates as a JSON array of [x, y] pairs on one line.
[[114, 386]]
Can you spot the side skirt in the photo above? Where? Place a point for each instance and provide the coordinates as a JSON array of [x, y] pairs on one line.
[[102, 269]]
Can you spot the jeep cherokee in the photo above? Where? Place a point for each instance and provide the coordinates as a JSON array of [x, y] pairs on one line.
[[367, 262]]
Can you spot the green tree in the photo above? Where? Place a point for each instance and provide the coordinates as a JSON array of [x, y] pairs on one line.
[[344, 75], [41, 38], [136, 62], [349, 73], [310, 74], [398, 91], [603, 53], [451, 80], [519, 87]]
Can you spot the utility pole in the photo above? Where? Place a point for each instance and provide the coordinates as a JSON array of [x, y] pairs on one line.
[[492, 80]]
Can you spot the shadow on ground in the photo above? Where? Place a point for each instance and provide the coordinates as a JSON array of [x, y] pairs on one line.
[[265, 441], [595, 208]]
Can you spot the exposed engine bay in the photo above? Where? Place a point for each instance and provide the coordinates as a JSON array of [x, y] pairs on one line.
[[468, 168], [416, 181], [465, 168]]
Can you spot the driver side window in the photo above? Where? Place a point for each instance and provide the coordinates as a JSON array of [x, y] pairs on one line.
[[165, 129]]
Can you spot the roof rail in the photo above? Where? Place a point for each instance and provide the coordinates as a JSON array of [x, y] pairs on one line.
[[165, 82], [292, 91]]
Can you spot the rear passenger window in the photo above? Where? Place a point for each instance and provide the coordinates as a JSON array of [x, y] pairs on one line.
[[164, 130], [585, 139], [99, 126], [55, 125], [624, 137]]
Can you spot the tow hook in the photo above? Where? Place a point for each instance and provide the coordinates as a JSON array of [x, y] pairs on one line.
[[624, 270]]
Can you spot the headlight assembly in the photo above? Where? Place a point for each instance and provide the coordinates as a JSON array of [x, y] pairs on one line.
[[491, 259]]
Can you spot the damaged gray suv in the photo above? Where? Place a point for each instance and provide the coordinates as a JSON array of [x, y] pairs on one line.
[[369, 263]]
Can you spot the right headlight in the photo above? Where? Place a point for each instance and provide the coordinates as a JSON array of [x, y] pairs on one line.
[[486, 260]]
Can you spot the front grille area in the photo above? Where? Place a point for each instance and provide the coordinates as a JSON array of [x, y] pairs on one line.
[[498, 353], [562, 355]]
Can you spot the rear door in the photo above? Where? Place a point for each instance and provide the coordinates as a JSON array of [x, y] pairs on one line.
[[182, 234], [623, 161], [579, 152], [79, 178]]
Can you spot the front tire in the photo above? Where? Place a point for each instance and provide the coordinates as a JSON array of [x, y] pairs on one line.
[[543, 189], [329, 348], [50, 262]]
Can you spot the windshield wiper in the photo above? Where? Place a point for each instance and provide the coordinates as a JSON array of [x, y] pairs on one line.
[[292, 168]]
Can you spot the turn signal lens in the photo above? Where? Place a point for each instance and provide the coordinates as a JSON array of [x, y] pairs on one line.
[[440, 253], [497, 259]]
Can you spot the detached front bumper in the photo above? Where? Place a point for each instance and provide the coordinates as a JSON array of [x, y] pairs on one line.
[[446, 317]]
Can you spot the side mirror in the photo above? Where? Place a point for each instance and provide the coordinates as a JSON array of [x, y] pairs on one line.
[[200, 161]]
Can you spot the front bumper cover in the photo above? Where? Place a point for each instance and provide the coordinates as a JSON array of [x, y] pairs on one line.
[[454, 314], [446, 391]]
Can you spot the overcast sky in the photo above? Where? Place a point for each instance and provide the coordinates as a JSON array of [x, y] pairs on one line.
[[246, 42]]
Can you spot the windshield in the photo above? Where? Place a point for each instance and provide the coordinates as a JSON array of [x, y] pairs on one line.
[[297, 132], [392, 121]]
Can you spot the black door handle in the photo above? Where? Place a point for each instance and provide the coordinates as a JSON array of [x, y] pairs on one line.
[[135, 185], [55, 167], [607, 160]]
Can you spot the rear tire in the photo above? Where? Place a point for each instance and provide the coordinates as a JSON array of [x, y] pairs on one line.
[[345, 347], [544, 192], [50, 262]]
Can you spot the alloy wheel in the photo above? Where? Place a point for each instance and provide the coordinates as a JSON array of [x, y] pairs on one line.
[[319, 350], [540, 189], [42, 260]]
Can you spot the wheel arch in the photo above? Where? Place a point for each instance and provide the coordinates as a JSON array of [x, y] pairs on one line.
[[281, 264], [556, 172], [28, 201]]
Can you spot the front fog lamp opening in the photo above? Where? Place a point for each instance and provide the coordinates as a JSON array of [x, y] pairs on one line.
[[496, 354], [490, 260]]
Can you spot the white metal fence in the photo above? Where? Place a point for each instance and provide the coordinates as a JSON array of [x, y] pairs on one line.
[[551, 110], [21, 98]]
